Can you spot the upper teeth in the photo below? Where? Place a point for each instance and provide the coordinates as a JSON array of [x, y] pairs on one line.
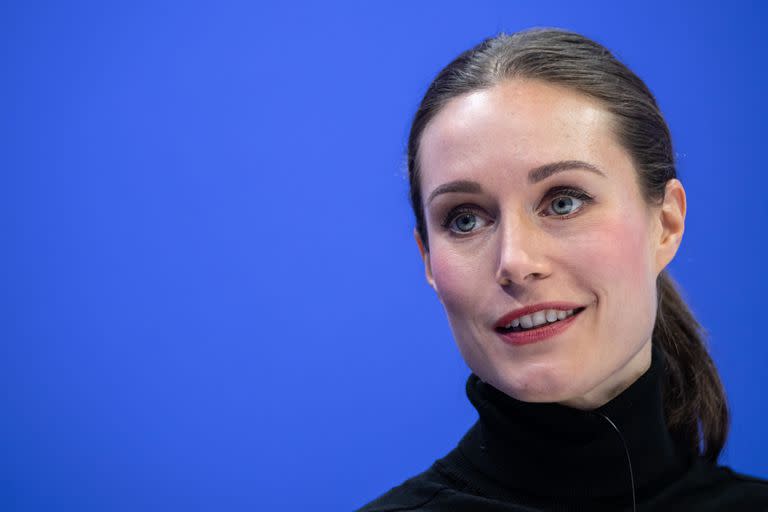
[[540, 317]]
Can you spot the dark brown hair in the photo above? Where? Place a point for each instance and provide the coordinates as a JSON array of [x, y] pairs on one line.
[[694, 399]]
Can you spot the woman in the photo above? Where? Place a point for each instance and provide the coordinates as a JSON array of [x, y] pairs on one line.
[[547, 208]]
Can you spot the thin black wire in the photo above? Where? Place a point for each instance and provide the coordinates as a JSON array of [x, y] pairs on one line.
[[629, 460]]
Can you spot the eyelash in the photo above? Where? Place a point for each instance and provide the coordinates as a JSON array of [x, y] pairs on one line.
[[575, 193], [551, 194]]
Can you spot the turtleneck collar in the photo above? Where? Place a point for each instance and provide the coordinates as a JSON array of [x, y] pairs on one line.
[[548, 449]]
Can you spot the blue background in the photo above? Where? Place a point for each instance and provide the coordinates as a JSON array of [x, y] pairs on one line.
[[210, 294]]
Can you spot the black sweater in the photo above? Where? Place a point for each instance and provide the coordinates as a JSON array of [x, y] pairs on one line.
[[533, 457]]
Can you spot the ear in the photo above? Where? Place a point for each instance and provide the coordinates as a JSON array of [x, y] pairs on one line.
[[425, 257], [671, 222]]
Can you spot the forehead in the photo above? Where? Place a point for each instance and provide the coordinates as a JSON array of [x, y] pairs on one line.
[[513, 127]]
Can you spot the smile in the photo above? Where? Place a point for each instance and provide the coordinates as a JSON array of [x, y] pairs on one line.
[[521, 335], [538, 319]]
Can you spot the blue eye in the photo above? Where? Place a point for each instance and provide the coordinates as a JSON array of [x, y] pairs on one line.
[[567, 201], [463, 221], [563, 205]]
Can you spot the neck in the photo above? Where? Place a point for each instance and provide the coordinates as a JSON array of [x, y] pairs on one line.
[[616, 384], [553, 450]]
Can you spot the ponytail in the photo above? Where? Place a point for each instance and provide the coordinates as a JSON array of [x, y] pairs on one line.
[[694, 399]]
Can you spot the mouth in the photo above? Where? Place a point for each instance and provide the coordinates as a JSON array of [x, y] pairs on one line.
[[538, 321]]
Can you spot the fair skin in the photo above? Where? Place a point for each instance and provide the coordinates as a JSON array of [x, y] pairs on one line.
[[513, 244]]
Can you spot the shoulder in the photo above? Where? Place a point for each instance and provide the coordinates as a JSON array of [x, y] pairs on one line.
[[741, 488], [418, 493], [708, 487]]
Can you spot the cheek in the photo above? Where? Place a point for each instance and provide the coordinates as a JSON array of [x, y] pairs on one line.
[[454, 275], [447, 274], [623, 251], [461, 288], [623, 265]]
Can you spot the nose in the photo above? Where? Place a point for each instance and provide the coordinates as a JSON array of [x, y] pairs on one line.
[[521, 253]]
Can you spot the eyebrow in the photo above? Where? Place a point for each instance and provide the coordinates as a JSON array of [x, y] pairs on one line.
[[545, 171], [534, 176]]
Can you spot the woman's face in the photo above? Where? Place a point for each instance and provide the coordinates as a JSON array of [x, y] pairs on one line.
[[530, 199]]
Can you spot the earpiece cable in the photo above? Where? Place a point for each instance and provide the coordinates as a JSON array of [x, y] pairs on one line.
[[629, 460]]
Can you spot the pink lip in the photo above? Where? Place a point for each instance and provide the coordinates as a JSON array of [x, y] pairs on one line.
[[527, 310], [540, 333]]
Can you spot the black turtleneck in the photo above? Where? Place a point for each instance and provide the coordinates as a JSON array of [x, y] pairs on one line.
[[522, 456], [551, 450]]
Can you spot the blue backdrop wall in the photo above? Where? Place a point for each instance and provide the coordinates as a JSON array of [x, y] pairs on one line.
[[211, 297]]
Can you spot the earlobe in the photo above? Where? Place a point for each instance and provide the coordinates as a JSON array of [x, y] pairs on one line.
[[424, 256], [672, 222]]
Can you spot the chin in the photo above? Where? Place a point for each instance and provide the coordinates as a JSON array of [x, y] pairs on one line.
[[542, 395], [541, 384]]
